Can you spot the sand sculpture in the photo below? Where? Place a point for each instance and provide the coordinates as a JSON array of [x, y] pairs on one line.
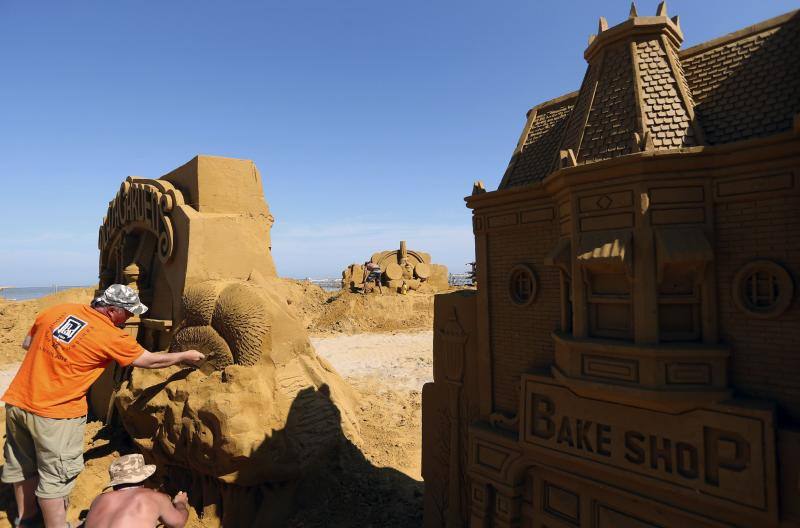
[[242, 430], [630, 356], [403, 270]]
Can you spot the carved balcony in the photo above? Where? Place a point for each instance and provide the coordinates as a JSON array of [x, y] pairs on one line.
[[669, 377]]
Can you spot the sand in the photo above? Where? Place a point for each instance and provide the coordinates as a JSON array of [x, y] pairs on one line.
[[374, 483], [325, 312], [400, 361], [378, 482], [388, 371]]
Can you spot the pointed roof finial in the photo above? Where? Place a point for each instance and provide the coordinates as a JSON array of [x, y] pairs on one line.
[[662, 9], [591, 38], [677, 21], [602, 25], [567, 158], [633, 13]]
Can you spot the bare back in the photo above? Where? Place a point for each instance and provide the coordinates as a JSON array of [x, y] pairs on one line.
[[134, 508]]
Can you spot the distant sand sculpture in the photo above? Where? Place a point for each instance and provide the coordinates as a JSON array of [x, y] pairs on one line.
[[243, 429], [401, 270]]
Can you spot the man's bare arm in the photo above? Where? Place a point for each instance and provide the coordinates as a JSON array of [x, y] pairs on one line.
[[156, 360], [174, 513]]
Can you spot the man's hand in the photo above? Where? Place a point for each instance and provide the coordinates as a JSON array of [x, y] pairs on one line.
[[175, 513], [181, 498], [192, 356]]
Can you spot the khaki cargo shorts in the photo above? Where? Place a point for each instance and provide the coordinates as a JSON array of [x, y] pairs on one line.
[[51, 448]]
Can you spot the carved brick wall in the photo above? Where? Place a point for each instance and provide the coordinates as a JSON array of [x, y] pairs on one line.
[[765, 359], [520, 335]]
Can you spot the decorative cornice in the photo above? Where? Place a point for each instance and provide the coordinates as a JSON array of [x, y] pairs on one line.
[[701, 161], [634, 27]]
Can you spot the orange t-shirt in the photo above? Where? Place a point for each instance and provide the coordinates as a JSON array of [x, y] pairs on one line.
[[71, 345]]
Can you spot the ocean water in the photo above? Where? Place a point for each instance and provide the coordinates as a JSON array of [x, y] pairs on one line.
[[32, 292], [334, 284], [460, 279], [328, 284]]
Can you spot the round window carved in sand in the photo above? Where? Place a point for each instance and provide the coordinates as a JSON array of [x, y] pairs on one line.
[[763, 289], [522, 285]]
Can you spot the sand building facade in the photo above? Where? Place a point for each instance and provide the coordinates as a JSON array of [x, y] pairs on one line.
[[630, 358]]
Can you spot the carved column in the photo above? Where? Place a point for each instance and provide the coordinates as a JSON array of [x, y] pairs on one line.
[[130, 277], [480, 498], [580, 305], [106, 277], [483, 367], [644, 299], [131, 273], [453, 339], [507, 508]]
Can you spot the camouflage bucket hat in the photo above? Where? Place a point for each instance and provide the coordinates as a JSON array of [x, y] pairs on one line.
[[129, 469], [123, 297]]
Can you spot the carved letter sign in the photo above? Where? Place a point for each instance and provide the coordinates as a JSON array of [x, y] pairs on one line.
[[724, 453], [143, 204]]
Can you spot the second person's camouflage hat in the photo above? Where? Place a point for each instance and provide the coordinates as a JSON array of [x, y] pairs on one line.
[[129, 469]]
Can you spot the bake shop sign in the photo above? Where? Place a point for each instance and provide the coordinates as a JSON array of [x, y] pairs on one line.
[[719, 452]]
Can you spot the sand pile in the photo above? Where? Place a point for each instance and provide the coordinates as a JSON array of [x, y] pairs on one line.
[[16, 318], [373, 479], [241, 432], [324, 312], [376, 482], [354, 313]]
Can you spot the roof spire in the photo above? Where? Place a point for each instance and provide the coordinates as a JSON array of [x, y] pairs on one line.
[[591, 38], [602, 25], [633, 13], [677, 21], [662, 9]]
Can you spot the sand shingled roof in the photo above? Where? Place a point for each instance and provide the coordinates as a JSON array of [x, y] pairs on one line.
[[741, 86]]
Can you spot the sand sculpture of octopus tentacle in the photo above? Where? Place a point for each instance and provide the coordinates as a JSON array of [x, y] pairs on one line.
[[263, 410]]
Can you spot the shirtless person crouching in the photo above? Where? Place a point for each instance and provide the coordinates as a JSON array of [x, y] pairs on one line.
[[131, 505]]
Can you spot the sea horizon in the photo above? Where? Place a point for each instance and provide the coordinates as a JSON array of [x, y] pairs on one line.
[[27, 293]]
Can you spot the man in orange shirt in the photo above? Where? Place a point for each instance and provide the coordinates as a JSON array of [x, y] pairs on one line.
[[68, 347]]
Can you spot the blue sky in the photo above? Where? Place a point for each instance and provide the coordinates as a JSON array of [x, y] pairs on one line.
[[369, 120]]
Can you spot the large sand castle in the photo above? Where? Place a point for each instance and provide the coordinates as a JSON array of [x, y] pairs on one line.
[[242, 430], [630, 356]]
